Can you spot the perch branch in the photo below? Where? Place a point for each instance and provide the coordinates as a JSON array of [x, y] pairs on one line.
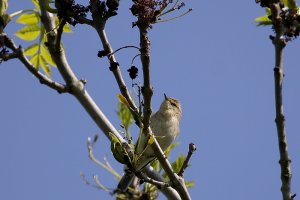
[[169, 192], [147, 91]]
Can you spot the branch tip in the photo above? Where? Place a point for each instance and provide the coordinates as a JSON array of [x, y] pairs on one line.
[[192, 149]]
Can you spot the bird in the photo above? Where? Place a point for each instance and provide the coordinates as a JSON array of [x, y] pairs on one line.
[[165, 127]]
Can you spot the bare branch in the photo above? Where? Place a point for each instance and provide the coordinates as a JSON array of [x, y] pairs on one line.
[[147, 91], [192, 148], [169, 192], [106, 166], [76, 86], [177, 182], [19, 53], [99, 25], [129, 46], [158, 184], [279, 43], [98, 185]]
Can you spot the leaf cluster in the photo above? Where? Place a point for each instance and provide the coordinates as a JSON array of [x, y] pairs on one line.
[[34, 31]]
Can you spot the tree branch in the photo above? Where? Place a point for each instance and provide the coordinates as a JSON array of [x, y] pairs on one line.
[[279, 44], [177, 182], [19, 53], [76, 86], [147, 91], [99, 25], [169, 192], [158, 184]]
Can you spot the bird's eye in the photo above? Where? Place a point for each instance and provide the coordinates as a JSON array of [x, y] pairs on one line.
[[173, 104]]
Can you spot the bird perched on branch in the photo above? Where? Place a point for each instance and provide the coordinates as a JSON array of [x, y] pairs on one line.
[[165, 127]]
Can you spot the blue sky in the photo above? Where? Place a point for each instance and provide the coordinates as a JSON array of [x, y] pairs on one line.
[[214, 60]]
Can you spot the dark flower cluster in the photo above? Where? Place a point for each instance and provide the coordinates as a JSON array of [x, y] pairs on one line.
[[112, 6], [133, 72], [70, 11], [263, 3], [148, 11], [289, 19], [107, 8], [291, 22]]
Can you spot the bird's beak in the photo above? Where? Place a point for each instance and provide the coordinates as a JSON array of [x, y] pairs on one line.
[[166, 97]]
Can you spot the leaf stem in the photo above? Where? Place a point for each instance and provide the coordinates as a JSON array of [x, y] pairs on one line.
[[21, 12]]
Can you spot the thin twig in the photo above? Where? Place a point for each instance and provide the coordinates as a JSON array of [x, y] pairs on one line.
[[158, 184], [185, 164], [99, 24], [106, 167], [125, 47], [98, 185], [135, 58], [173, 18], [21, 12]]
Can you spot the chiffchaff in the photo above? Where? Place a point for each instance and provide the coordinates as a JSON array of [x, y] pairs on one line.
[[165, 126]]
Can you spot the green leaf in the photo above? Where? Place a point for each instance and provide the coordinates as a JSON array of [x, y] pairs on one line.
[[177, 164], [31, 50], [189, 184], [35, 61], [46, 55], [36, 3], [67, 29], [29, 33], [124, 115], [156, 166], [29, 18], [268, 11], [45, 66], [149, 188], [168, 150], [263, 20], [290, 3]]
